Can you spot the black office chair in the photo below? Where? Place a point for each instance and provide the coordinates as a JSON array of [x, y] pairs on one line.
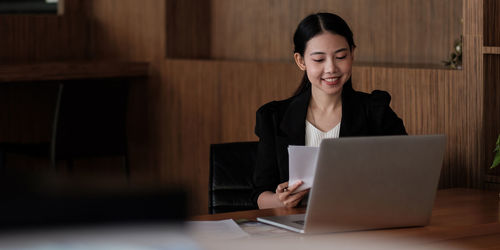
[[89, 121], [231, 171], [2, 158]]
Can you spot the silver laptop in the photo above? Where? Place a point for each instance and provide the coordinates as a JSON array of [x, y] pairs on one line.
[[370, 183]]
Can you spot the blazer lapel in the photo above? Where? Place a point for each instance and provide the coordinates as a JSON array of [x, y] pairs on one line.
[[352, 113], [293, 124]]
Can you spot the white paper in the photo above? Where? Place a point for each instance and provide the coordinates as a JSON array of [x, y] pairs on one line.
[[302, 165], [219, 230]]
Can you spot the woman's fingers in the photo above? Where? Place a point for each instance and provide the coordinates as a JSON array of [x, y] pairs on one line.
[[292, 200], [295, 186], [295, 203], [287, 197], [299, 194], [282, 187]]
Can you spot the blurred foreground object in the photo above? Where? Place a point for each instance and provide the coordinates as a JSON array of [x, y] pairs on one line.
[[53, 200]]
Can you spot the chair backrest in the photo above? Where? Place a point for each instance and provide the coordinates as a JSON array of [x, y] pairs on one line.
[[231, 173]]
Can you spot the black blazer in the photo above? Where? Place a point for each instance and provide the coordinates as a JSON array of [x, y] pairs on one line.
[[282, 123]]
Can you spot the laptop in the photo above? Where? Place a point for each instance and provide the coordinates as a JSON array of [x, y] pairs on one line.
[[363, 183]]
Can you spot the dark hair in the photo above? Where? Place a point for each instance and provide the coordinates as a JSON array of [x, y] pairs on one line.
[[313, 25]]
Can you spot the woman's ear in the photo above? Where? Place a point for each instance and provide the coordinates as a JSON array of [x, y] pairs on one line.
[[299, 60]]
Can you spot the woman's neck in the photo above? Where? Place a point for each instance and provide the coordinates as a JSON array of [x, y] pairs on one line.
[[323, 102]]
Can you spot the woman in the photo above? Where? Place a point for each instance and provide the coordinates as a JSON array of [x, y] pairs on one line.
[[324, 106]]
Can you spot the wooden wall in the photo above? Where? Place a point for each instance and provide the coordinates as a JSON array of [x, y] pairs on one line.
[[131, 30], [492, 87], [492, 109], [188, 28], [30, 39], [190, 102], [386, 31], [127, 29], [491, 23], [34, 38], [77, 34]]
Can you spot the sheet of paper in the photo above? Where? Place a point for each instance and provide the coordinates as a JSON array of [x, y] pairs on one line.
[[219, 230], [302, 165]]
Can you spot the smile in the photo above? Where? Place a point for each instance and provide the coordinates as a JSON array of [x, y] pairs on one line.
[[331, 80]]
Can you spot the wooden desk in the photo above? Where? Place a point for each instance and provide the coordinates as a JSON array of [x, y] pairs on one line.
[[461, 218]]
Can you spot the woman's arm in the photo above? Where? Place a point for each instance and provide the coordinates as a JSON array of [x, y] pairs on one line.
[[268, 199], [267, 175]]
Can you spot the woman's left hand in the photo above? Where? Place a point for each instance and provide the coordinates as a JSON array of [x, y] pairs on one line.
[[286, 195]]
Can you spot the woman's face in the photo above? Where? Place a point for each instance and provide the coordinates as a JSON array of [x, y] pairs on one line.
[[327, 61]]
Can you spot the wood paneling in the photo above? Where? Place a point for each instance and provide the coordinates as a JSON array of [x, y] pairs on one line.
[[127, 29], [70, 71], [87, 30], [491, 50], [491, 109], [473, 89], [188, 29], [28, 39], [491, 22], [491, 87], [408, 31], [28, 93], [35, 38], [130, 30]]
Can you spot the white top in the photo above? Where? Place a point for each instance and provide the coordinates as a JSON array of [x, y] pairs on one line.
[[314, 136]]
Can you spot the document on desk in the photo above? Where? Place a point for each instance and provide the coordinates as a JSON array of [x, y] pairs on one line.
[[302, 165], [220, 230]]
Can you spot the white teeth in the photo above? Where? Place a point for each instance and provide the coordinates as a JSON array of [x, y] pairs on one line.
[[330, 79]]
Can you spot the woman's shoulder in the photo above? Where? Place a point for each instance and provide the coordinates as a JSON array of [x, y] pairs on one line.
[[274, 107], [375, 98], [270, 115], [382, 120]]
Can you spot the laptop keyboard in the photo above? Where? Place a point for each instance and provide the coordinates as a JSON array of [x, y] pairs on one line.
[[300, 222]]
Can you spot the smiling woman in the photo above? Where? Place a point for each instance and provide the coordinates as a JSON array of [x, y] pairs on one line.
[[28, 6], [325, 105]]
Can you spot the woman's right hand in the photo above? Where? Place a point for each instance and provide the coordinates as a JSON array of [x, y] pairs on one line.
[[285, 195]]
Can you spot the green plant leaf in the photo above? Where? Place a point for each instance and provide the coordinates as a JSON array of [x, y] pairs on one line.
[[496, 161]]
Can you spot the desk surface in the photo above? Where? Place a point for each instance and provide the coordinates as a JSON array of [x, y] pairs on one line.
[[461, 218]]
